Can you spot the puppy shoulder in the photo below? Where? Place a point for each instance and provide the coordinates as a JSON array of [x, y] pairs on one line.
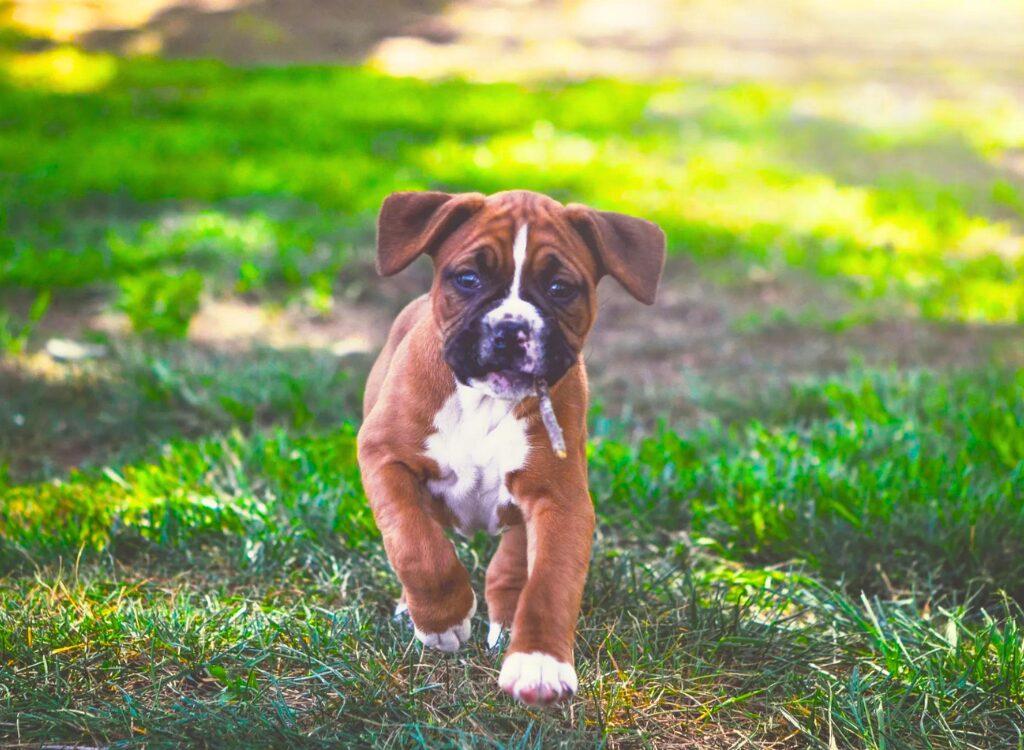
[[400, 329], [409, 383]]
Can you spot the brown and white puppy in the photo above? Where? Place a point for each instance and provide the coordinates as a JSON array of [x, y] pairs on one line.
[[452, 435]]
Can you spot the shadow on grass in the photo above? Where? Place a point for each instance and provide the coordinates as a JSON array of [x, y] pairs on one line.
[[56, 417], [275, 30]]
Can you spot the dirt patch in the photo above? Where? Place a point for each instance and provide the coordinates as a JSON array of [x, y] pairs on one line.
[[746, 337], [756, 330], [699, 335], [701, 344]]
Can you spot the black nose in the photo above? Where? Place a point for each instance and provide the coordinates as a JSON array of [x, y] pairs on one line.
[[509, 335]]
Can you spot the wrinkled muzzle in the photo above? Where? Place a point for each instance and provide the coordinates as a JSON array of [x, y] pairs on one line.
[[503, 352]]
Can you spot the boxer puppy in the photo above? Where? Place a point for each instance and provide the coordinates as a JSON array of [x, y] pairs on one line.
[[452, 435]]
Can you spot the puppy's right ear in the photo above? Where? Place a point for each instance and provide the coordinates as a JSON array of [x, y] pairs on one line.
[[411, 224]]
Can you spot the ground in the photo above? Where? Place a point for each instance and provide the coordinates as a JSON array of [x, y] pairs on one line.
[[807, 457]]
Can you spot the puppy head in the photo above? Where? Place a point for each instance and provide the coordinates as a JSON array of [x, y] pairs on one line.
[[515, 277]]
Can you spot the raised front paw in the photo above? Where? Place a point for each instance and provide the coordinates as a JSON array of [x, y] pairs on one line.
[[449, 639], [537, 679]]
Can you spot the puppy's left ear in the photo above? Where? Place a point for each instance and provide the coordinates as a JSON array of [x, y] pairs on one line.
[[413, 224], [630, 249]]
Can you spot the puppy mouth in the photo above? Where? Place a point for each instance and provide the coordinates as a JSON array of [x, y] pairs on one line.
[[506, 364], [513, 384], [511, 377]]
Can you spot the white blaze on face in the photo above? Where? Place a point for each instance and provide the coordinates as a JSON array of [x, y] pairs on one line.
[[519, 259], [516, 309]]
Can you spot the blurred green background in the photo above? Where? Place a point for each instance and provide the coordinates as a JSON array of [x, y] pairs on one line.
[[812, 446]]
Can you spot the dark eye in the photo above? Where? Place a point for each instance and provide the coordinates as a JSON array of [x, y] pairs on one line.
[[467, 281], [561, 290]]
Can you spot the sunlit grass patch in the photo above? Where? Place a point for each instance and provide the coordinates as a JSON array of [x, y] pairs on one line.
[[94, 180], [259, 491], [63, 70]]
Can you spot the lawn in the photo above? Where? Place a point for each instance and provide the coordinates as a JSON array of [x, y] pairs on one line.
[[828, 557]]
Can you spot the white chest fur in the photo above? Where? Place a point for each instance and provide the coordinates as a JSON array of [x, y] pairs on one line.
[[477, 443]]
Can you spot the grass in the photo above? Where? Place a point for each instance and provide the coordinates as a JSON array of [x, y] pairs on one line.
[[186, 556], [268, 178], [699, 660], [915, 483], [843, 568]]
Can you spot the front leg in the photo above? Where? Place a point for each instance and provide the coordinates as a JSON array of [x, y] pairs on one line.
[[435, 584], [538, 667]]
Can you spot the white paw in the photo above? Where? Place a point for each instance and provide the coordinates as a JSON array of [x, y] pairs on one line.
[[451, 639], [494, 634], [537, 678]]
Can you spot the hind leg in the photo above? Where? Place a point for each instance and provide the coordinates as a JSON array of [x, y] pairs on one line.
[[506, 577]]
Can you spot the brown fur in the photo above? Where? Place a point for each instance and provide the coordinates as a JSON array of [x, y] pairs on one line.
[[535, 581]]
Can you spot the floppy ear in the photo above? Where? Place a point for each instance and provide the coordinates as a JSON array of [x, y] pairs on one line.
[[411, 224], [630, 249]]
